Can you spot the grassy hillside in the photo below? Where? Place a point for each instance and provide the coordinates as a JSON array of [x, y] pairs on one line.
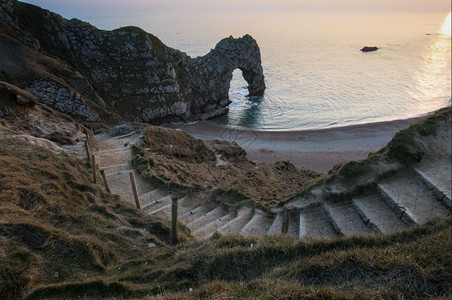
[[63, 237], [55, 226]]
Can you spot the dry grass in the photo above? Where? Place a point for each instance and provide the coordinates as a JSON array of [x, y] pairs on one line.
[[56, 226], [411, 264], [176, 157]]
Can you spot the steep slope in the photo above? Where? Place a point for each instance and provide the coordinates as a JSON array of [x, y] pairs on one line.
[[406, 184], [126, 74]]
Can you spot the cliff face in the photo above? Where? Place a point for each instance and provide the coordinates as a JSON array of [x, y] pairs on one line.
[[126, 74]]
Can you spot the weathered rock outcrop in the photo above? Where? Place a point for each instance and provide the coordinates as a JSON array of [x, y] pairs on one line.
[[126, 71], [21, 113]]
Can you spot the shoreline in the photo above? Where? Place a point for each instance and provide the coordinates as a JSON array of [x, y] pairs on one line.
[[312, 149]]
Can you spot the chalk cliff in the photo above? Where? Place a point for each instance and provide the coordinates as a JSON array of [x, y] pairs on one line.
[[122, 75]]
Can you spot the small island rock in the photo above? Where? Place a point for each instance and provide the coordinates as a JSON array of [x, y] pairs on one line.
[[369, 49]]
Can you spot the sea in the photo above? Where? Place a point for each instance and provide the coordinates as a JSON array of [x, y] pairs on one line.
[[315, 73]]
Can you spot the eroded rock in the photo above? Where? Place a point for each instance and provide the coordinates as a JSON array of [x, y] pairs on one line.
[[128, 71]]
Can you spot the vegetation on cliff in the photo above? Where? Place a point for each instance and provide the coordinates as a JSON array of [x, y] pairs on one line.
[[174, 157]]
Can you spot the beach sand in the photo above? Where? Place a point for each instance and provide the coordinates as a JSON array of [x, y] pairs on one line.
[[317, 150]]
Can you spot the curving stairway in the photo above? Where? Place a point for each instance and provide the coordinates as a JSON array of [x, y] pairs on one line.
[[411, 197]]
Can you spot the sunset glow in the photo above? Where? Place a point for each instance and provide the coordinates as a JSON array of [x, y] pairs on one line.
[[446, 26]]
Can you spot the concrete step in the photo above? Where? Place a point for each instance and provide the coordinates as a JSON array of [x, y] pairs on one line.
[[276, 227], [441, 185], [113, 151], [412, 198], [120, 185], [234, 226], [314, 222], [114, 158], [259, 224], [111, 169], [163, 207], [193, 214], [346, 219], [188, 203], [152, 200], [209, 229], [374, 210], [107, 142], [294, 224], [206, 218]]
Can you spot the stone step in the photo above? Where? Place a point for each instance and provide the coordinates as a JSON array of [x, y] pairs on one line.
[[164, 211], [234, 226], [111, 169], [438, 184], [401, 211], [259, 224], [294, 224], [188, 203], [209, 229], [314, 222], [193, 214], [114, 158], [206, 218], [302, 224], [113, 151], [107, 142], [153, 200], [412, 197], [346, 219], [374, 210], [120, 185], [276, 227]]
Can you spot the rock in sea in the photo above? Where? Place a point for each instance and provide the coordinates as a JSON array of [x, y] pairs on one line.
[[369, 49]]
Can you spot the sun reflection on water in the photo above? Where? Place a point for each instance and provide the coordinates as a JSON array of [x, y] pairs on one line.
[[437, 62], [445, 29]]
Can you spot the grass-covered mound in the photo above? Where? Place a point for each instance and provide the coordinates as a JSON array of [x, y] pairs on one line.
[[176, 157]]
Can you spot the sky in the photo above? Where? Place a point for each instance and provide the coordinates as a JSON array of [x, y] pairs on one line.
[[82, 8]]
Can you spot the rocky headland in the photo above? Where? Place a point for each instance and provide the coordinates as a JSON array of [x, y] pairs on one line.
[[122, 75]]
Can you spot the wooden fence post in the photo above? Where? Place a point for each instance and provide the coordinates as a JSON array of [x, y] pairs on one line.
[[174, 207], [88, 152], [104, 178], [135, 190], [93, 162], [285, 224]]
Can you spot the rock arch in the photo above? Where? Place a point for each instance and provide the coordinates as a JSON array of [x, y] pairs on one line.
[[215, 72]]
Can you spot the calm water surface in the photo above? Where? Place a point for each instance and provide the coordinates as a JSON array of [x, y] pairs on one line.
[[315, 74]]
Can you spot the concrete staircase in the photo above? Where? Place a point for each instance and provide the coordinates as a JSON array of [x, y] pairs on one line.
[[410, 198]]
